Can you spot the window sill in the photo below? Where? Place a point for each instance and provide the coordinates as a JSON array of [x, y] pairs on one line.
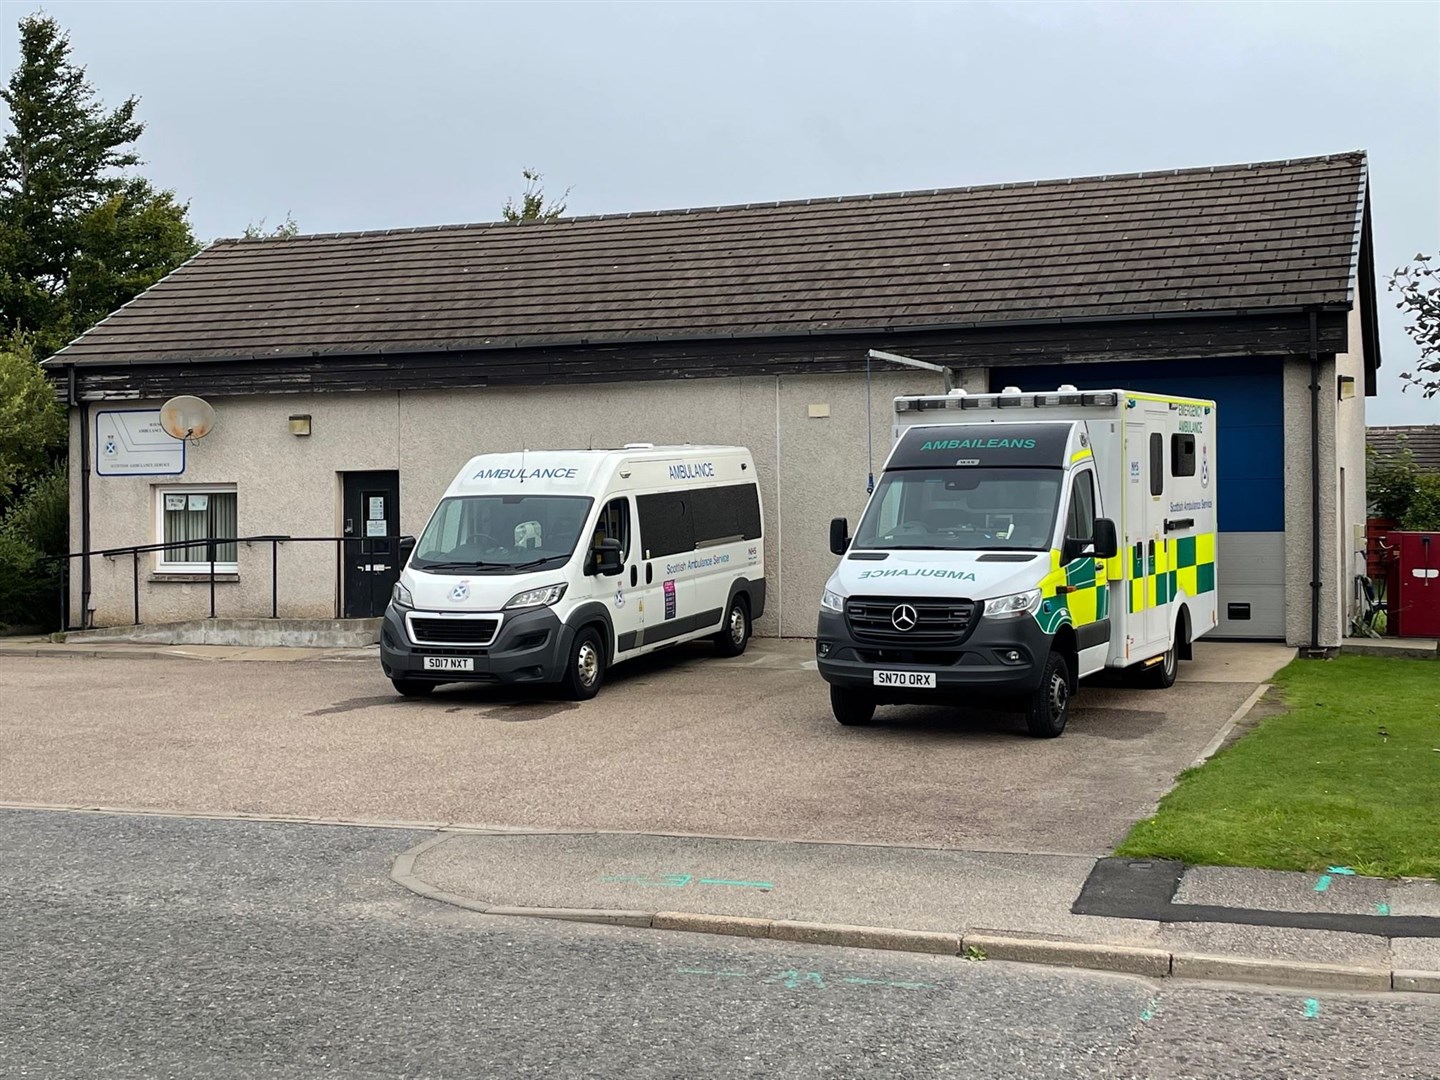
[[191, 578]]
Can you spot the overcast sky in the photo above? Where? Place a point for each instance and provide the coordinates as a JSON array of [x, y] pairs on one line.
[[377, 115]]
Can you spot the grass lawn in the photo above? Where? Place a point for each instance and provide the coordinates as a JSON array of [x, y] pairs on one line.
[[1348, 775]]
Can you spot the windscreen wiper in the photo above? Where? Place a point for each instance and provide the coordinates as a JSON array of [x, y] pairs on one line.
[[452, 566], [533, 563]]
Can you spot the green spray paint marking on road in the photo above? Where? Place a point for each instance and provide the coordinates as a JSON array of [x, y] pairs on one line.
[[1323, 883], [1150, 1011], [738, 884], [680, 881], [1382, 908], [1312, 1008]]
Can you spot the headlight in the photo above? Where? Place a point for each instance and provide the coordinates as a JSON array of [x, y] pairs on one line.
[[401, 597], [1014, 605], [542, 597], [830, 600]]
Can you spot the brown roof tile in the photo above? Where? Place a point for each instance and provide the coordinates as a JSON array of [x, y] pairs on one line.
[[1423, 441], [1253, 237]]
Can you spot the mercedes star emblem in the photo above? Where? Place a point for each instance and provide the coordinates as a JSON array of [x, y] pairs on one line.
[[904, 617]]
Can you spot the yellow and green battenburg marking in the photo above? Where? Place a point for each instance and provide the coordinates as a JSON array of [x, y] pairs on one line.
[[1077, 593], [1183, 565]]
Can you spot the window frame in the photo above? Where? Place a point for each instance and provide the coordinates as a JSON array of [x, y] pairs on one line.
[[1086, 477], [164, 563]]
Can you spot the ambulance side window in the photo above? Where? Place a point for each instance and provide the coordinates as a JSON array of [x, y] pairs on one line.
[[666, 524], [1182, 455], [1157, 463], [614, 524], [1081, 523]]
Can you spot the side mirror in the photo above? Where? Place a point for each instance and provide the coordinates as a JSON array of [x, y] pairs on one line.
[[839, 535], [607, 559], [407, 548], [1107, 541]]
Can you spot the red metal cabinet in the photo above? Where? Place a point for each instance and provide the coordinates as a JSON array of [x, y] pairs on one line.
[[1415, 602]]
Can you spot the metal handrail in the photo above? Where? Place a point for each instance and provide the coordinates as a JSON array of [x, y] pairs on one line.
[[134, 551]]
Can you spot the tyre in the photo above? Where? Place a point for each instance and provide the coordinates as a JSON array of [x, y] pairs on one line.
[[585, 667], [735, 634], [413, 687], [851, 707], [1160, 676], [1047, 709]]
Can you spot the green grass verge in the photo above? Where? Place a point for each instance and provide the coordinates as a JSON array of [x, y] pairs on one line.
[[1348, 775]]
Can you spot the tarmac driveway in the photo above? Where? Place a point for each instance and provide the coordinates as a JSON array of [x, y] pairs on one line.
[[683, 742]]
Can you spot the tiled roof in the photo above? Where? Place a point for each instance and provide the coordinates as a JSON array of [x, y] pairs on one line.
[[1232, 238], [1422, 439]]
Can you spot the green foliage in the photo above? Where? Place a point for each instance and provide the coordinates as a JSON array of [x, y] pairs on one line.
[[284, 231], [32, 422], [1423, 514], [1400, 491], [1346, 776], [32, 533], [1419, 289], [79, 235], [532, 203]]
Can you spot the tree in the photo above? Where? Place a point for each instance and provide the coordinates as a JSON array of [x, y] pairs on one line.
[[1419, 289], [32, 423], [284, 231], [34, 497], [532, 203], [79, 234]]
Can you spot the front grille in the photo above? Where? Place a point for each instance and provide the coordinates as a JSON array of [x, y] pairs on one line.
[[453, 631], [938, 621]]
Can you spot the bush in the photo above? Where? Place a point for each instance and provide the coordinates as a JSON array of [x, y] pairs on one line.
[[32, 533], [1423, 514]]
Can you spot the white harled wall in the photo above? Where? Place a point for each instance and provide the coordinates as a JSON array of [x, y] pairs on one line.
[[810, 470]]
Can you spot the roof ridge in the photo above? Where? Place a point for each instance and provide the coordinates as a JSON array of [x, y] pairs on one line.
[[1349, 157]]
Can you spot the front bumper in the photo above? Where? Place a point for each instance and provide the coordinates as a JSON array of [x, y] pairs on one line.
[[532, 646], [981, 664]]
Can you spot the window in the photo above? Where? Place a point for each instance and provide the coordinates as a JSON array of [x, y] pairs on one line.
[[1182, 455], [196, 514], [667, 526], [500, 534], [1157, 463], [614, 524], [970, 509], [1081, 523], [726, 514]]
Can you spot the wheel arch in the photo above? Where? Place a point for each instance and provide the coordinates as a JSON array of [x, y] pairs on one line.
[[597, 615], [1068, 645]]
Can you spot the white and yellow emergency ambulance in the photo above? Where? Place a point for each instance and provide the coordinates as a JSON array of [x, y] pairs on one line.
[[1017, 543], [550, 566]]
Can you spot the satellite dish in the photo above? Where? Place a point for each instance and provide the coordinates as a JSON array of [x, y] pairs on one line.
[[187, 417]]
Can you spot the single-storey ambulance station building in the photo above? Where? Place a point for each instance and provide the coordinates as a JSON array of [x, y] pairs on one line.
[[352, 374]]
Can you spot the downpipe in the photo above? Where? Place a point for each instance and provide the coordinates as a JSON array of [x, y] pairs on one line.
[[1315, 651]]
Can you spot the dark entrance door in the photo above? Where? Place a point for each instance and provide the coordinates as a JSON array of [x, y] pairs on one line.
[[370, 558]]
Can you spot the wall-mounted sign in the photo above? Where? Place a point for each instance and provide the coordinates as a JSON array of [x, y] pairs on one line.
[[131, 442], [374, 528], [377, 508]]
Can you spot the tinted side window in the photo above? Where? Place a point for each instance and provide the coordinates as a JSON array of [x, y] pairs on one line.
[[1081, 525], [666, 524], [1182, 455], [1157, 463], [726, 513]]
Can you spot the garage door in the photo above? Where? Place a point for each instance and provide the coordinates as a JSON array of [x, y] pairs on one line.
[[1250, 445]]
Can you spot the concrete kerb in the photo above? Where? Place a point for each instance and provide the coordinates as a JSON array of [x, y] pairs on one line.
[[975, 945]]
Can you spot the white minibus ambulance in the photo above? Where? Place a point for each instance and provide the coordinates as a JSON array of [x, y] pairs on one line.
[[550, 566], [1017, 543]]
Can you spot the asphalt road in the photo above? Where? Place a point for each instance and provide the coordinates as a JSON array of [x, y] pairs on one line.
[[162, 947], [683, 743]]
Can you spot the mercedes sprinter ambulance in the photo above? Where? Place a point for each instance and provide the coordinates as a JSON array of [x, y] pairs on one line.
[[548, 567], [1017, 543]]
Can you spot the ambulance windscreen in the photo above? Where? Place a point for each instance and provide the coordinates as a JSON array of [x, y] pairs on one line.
[[972, 509], [500, 534]]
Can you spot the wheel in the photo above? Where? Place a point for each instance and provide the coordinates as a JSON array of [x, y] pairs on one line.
[[851, 707], [585, 670], [1047, 710], [413, 687], [735, 634], [1160, 676]]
